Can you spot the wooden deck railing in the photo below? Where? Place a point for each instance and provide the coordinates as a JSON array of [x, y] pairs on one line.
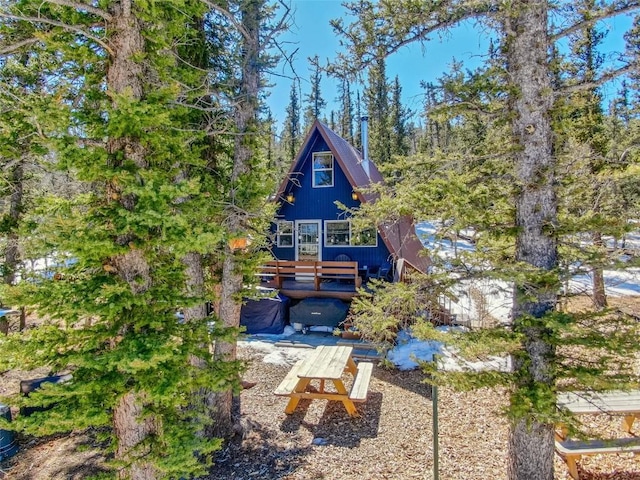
[[279, 270]]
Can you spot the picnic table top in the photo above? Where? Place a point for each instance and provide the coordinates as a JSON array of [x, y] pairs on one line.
[[615, 401], [326, 362]]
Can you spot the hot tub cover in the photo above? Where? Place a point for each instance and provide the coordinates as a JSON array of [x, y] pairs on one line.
[[328, 312]]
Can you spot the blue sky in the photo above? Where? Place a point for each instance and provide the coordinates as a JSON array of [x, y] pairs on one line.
[[311, 34]]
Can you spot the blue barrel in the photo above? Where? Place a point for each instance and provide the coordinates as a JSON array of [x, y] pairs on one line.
[[8, 442]]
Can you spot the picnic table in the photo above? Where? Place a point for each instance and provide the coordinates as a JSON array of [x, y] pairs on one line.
[[614, 402], [326, 365]]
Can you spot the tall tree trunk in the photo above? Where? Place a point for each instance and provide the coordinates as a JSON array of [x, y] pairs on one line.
[[11, 255], [131, 429], [195, 286], [531, 442], [599, 292], [226, 417], [125, 76], [203, 397], [23, 319], [4, 325], [228, 408]]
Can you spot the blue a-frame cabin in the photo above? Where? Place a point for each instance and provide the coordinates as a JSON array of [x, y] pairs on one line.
[[310, 227]]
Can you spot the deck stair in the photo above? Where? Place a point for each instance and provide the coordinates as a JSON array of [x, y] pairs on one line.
[[362, 351]]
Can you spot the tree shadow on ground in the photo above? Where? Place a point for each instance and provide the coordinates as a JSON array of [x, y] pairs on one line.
[[412, 380], [336, 427], [259, 454], [89, 468], [72, 457]]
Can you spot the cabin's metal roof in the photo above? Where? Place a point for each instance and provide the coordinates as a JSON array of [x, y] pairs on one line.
[[398, 235]]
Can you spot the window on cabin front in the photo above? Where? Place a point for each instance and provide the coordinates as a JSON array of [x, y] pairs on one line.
[[340, 233], [367, 237], [337, 233], [284, 234], [322, 169]]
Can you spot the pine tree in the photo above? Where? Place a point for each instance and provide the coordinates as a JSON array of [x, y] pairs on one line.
[[378, 109], [582, 121], [114, 115], [346, 110], [398, 120], [291, 136], [19, 140], [437, 126], [315, 102], [247, 192], [359, 114]]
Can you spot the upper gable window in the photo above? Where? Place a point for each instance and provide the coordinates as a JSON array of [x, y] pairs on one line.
[[322, 169]]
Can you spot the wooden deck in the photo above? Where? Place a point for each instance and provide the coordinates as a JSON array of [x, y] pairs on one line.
[[304, 279]]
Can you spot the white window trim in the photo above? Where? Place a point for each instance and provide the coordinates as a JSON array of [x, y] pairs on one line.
[[278, 234], [350, 245], [314, 170]]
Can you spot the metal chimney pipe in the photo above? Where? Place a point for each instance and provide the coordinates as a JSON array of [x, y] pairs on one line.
[[364, 121]]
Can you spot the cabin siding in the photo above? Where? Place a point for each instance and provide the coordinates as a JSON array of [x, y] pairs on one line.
[[320, 204]]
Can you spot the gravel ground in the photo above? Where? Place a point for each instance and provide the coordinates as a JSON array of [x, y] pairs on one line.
[[392, 439]]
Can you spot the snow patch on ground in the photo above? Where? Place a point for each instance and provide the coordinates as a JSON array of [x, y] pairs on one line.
[[617, 283], [405, 356], [410, 351], [480, 301], [277, 355]]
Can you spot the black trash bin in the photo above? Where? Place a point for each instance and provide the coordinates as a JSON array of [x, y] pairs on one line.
[[8, 442]]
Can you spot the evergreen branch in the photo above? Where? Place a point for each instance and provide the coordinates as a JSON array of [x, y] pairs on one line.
[[396, 38], [83, 6], [612, 11], [229, 16], [281, 25], [604, 78], [453, 19], [64, 26], [17, 46], [626, 152], [89, 142]]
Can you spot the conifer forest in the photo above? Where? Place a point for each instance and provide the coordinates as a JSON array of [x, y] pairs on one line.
[[137, 146]]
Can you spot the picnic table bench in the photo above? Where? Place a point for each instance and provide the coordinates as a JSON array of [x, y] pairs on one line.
[[326, 363], [613, 402], [573, 450]]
